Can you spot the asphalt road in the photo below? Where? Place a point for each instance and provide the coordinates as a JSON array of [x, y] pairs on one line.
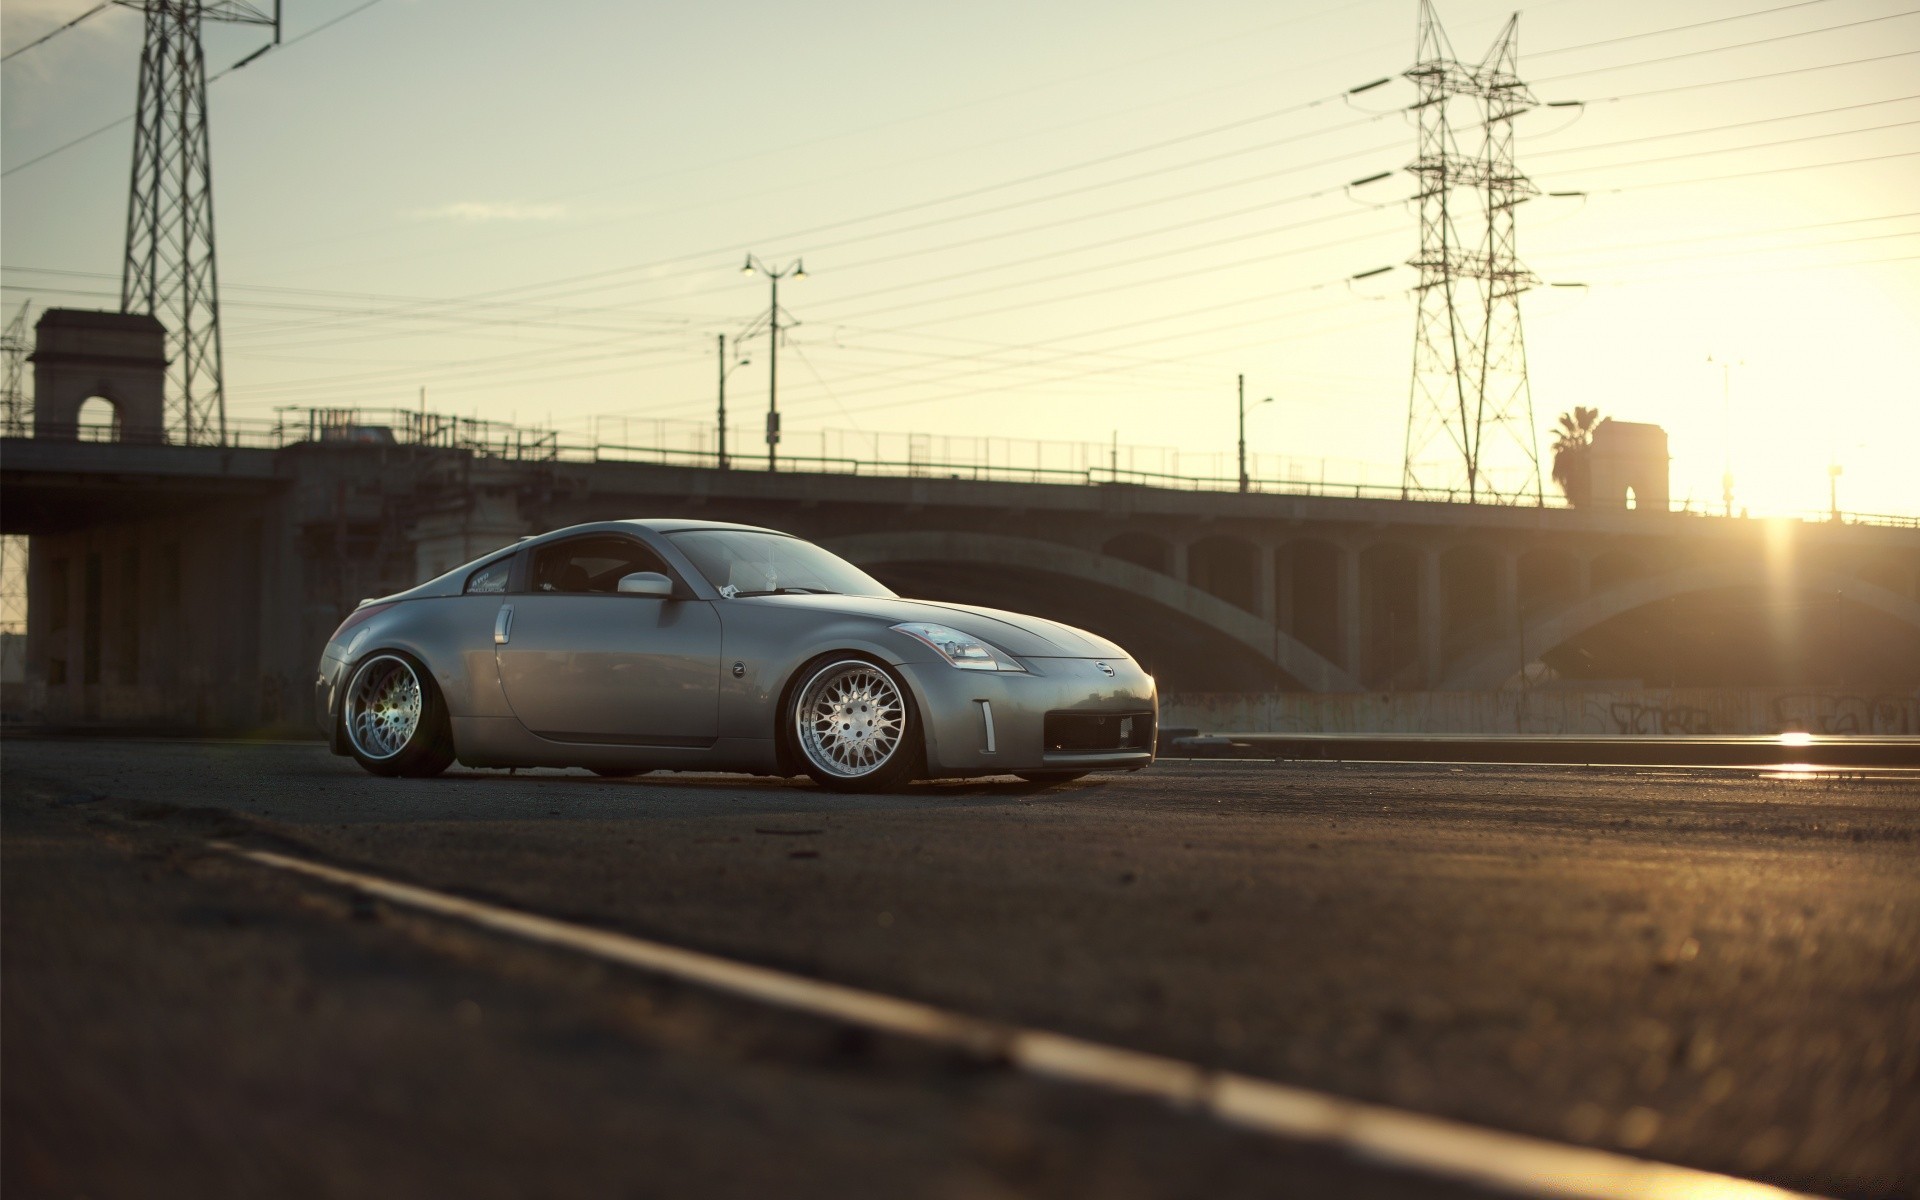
[[1713, 968]]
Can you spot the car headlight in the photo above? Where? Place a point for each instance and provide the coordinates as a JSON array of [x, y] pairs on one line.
[[959, 649]]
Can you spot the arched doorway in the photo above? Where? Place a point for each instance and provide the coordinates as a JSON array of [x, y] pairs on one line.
[[98, 420]]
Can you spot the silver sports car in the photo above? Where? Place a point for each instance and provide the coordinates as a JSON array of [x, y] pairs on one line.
[[629, 646]]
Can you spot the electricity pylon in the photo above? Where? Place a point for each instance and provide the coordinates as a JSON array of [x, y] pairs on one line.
[[1470, 416], [170, 269], [13, 402]]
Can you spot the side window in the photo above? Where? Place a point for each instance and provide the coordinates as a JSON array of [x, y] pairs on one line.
[[492, 577], [592, 564]]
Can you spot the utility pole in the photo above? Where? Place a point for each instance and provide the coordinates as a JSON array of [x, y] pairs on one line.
[[772, 318], [1241, 388], [1726, 428], [1469, 354], [169, 269], [725, 371]]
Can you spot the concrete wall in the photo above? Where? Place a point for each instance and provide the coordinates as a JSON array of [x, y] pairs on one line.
[[1727, 711]]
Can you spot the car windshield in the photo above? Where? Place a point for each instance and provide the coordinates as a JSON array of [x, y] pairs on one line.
[[745, 563]]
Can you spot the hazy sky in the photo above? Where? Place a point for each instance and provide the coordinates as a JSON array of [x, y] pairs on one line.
[[1063, 221]]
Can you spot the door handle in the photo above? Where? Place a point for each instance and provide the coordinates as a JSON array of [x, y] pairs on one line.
[[503, 625]]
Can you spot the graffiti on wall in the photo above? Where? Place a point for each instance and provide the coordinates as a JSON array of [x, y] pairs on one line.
[[1843, 713], [1753, 712], [1634, 716]]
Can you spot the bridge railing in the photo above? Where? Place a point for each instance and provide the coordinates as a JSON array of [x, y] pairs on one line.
[[503, 440]]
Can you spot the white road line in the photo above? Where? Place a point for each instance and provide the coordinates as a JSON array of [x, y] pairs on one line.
[[1409, 1141]]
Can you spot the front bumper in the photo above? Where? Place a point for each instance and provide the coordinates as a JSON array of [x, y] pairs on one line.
[[995, 722]]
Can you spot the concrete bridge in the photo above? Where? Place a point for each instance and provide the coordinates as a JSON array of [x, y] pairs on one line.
[[194, 585]]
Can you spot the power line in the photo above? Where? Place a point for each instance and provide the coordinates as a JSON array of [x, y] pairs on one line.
[[1784, 37], [1600, 264], [47, 37], [1658, 137], [1769, 268], [1845, 162], [907, 330], [816, 248], [211, 79], [970, 193], [1746, 233], [1812, 137], [1634, 37], [1714, 83]]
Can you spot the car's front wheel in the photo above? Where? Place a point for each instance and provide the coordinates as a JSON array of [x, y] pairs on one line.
[[395, 721], [854, 727]]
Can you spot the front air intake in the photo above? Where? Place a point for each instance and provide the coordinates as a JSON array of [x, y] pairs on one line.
[[1071, 731]]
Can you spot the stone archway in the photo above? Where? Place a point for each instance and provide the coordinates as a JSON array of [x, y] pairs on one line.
[[81, 355]]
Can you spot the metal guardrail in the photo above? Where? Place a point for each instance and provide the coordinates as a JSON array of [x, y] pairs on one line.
[[501, 440]]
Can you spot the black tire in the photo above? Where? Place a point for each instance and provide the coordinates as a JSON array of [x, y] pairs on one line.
[[1045, 777], [852, 727], [393, 718]]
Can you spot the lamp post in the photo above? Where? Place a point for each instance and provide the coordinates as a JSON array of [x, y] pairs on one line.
[[725, 371], [1242, 390], [1726, 426], [797, 271]]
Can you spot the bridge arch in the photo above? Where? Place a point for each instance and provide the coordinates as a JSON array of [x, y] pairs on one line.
[[1492, 665], [1258, 638]]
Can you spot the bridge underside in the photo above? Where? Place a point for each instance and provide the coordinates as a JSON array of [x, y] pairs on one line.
[[1744, 637], [1183, 654]]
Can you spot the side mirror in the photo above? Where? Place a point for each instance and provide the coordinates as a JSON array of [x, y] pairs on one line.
[[646, 583]]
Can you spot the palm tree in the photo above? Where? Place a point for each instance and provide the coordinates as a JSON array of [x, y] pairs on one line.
[[1572, 443]]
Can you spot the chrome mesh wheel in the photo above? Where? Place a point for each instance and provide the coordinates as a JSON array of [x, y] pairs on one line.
[[850, 719], [383, 707]]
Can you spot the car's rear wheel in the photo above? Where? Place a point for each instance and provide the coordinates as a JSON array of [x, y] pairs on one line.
[[395, 721], [854, 728]]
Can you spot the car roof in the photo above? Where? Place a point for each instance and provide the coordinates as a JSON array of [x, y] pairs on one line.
[[648, 524], [679, 524], [453, 579]]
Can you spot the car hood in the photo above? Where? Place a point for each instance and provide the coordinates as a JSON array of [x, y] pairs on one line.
[[1016, 633]]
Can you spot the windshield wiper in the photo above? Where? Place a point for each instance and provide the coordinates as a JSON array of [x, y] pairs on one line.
[[789, 591]]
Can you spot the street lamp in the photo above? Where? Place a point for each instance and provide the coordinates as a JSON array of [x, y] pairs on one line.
[[797, 271], [725, 370], [1242, 386], [1726, 425]]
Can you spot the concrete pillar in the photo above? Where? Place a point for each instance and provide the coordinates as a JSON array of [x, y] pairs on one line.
[[1283, 568], [1430, 618], [1349, 605], [1263, 586], [1506, 590]]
